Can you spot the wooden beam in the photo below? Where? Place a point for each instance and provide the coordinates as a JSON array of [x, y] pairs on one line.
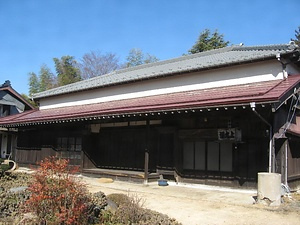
[[146, 167]]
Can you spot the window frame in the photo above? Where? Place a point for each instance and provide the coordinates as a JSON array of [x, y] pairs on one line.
[[69, 143], [215, 159]]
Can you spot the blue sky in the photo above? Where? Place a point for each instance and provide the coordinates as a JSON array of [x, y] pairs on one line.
[[33, 32]]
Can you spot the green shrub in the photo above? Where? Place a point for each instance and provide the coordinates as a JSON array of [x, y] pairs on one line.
[[4, 167]]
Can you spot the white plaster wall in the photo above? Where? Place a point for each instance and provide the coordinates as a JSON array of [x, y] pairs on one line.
[[242, 74]]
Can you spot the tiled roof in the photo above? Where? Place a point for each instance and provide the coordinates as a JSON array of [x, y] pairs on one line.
[[200, 61], [261, 92]]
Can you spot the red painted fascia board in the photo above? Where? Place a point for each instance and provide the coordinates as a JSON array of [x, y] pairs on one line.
[[269, 95]]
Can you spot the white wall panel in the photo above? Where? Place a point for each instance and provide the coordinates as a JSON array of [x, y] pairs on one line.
[[241, 74]]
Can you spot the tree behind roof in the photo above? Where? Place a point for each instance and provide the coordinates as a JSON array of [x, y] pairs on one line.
[[67, 70], [92, 64], [95, 64], [208, 41], [137, 57], [47, 79], [34, 84], [297, 37]]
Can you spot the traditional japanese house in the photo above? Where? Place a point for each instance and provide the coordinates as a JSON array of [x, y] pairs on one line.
[[11, 103], [216, 117]]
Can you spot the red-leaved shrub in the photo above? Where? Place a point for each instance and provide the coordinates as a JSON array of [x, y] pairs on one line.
[[56, 197]]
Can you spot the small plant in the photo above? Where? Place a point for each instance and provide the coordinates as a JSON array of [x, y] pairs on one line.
[[56, 197], [130, 211], [3, 167], [96, 206], [12, 194], [119, 199]]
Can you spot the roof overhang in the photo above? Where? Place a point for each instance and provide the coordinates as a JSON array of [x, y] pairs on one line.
[[273, 92]]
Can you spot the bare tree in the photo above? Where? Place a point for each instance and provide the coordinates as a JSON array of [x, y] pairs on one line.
[[95, 64]]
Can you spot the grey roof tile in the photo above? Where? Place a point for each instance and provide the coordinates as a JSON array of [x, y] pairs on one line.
[[200, 61]]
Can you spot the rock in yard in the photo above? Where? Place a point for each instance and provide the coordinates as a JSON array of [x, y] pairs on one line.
[[111, 206], [18, 189], [105, 180]]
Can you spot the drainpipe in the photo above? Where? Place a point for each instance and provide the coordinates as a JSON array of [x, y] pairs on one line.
[[285, 163], [252, 104]]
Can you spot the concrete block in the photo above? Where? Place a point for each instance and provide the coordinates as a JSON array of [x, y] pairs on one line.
[[269, 189]]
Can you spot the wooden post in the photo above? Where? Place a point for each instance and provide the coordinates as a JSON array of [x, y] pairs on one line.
[[82, 161], [146, 167]]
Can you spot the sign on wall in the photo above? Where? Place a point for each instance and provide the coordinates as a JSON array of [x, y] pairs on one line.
[[229, 134]]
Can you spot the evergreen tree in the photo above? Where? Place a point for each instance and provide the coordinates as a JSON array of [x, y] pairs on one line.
[[208, 41], [31, 102], [47, 80], [34, 85], [297, 37], [67, 70]]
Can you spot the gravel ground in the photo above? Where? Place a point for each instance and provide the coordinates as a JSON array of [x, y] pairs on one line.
[[201, 204]]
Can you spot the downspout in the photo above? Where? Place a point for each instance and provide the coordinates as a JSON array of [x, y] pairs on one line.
[[285, 163], [252, 104]]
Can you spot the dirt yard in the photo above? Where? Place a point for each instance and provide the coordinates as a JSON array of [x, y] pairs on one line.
[[203, 205]]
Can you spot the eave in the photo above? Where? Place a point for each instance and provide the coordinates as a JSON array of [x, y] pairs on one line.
[[262, 93]]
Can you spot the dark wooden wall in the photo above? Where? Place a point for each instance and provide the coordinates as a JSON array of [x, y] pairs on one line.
[[120, 148], [294, 159], [124, 147], [33, 156]]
